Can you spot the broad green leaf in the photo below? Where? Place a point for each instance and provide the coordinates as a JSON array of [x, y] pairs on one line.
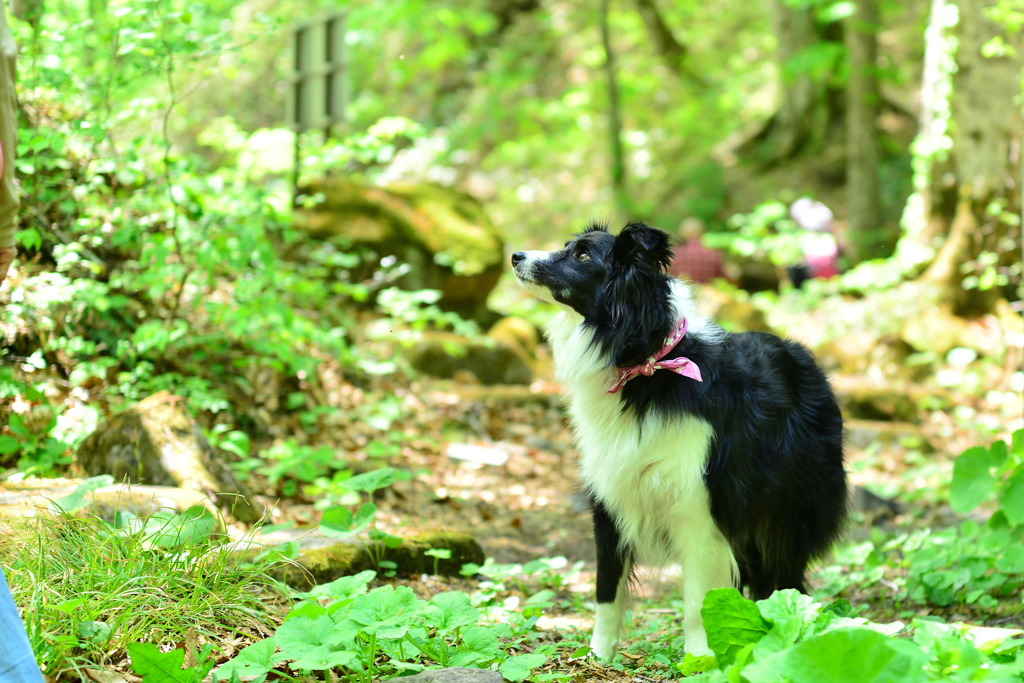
[[298, 636], [385, 611], [160, 667], [454, 610], [337, 522], [255, 660], [369, 482], [8, 444], [847, 655], [1011, 561], [791, 614], [517, 668], [323, 658], [75, 501], [973, 480], [731, 622], [1011, 498], [342, 588], [481, 640]]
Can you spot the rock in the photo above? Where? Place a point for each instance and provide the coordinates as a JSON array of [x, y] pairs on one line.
[[732, 308], [869, 399], [453, 675], [448, 356], [518, 334], [873, 507], [157, 443], [322, 559], [443, 235]]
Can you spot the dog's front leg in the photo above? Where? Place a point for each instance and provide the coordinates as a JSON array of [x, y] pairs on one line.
[[708, 563], [613, 568]]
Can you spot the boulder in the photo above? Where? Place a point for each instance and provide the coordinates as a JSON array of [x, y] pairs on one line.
[[157, 442], [451, 356], [443, 235]]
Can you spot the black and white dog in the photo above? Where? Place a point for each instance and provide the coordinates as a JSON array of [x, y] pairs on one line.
[[720, 452]]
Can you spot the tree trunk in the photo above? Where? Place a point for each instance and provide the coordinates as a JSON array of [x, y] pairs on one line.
[[972, 202], [862, 107], [808, 106], [669, 49], [614, 113]]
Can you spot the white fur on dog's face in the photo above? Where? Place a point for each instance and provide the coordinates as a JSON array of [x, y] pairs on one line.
[[523, 271]]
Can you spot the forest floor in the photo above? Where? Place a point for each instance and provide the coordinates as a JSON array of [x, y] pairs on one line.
[[499, 464]]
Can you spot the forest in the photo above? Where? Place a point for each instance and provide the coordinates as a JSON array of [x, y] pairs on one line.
[[273, 406]]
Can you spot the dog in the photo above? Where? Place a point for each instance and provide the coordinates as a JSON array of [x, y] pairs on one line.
[[716, 451]]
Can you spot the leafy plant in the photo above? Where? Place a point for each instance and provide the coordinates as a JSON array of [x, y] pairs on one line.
[[972, 563], [790, 637], [367, 634]]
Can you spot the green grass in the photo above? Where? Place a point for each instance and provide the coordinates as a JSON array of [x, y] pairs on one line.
[[88, 590]]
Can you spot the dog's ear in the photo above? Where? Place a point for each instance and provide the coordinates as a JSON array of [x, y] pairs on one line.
[[640, 245], [639, 315]]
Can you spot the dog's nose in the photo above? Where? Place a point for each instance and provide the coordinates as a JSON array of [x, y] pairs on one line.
[[518, 257]]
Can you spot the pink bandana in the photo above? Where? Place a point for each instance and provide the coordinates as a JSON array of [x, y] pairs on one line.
[[680, 366]]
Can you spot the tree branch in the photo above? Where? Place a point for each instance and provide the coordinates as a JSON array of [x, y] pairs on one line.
[[672, 52]]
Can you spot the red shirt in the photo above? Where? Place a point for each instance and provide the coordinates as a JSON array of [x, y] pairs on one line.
[[694, 261]]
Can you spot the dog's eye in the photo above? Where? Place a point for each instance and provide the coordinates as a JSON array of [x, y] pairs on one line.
[[583, 256]]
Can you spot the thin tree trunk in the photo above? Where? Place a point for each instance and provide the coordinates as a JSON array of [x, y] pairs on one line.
[[672, 52], [614, 113], [863, 101]]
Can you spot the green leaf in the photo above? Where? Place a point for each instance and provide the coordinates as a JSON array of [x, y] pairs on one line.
[[337, 522], [253, 662], [480, 645], [791, 614], [368, 482], [518, 667], [1011, 497], [1011, 560], [731, 622], [187, 528], [385, 611], [94, 631], [454, 610], [311, 642], [343, 588], [8, 444], [847, 655], [75, 501], [973, 480], [160, 667]]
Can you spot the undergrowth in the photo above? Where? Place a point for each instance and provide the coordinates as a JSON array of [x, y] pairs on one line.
[[90, 587]]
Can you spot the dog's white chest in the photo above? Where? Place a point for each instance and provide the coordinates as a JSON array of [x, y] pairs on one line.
[[650, 477]]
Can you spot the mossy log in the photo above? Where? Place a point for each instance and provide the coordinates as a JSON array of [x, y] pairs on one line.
[[323, 559]]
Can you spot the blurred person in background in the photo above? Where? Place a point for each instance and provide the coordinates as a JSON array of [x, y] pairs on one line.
[[693, 261]]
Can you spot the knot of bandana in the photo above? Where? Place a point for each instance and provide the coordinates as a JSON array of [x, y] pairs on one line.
[[680, 366]]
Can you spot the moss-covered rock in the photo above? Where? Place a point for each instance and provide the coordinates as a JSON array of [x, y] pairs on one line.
[[157, 442], [443, 234], [450, 356]]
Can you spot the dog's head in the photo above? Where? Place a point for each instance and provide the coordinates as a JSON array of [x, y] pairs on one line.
[[617, 283]]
